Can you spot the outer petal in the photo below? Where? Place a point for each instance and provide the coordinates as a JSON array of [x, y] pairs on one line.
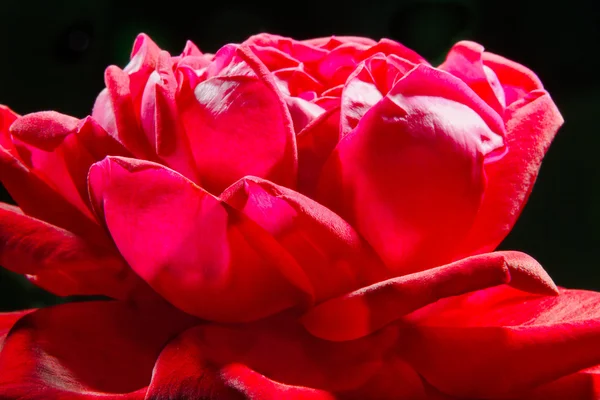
[[276, 359], [583, 385], [59, 260], [239, 125], [61, 149], [362, 312], [86, 351], [501, 342], [333, 256], [185, 370], [409, 178], [34, 194], [531, 125], [197, 252], [7, 320], [516, 80]]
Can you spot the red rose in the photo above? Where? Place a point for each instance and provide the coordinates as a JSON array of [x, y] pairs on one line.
[[319, 217]]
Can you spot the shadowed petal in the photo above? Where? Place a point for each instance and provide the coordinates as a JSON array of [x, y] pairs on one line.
[[93, 350]]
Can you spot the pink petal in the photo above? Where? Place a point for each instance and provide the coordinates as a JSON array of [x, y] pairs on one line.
[[161, 121], [85, 351], [316, 142], [368, 309], [61, 149], [331, 42], [143, 60], [332, 255], [516, 80], [59, 260], [117, 111], [409, 177], [238, 126], [502, 342], [465, 62], [531, 125], [195, 251]]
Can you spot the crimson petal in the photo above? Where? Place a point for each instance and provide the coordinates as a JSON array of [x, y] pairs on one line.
[[200, 254], [531, 125], [59, 260], [368, 309], [86, 351], [503, 342], [409, 177], [333, 256], [239, 125]]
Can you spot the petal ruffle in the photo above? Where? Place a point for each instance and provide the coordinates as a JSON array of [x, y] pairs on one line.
[[333, 256], [368, 309], [7, 320]]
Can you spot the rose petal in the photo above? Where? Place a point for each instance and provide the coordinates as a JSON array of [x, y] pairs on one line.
[[465, 62], [330, 252], [161, 121], [331, 42], [501, 342], [238, 126], [61, 149], [61, 261], [32, 193], [581, 385], [7, 320], [183, 362], [389, 47], [270, 358], [117, 111], [368, 309], [367, 85], [194, 250], [409, 178], [530, 127], [85, 351], [516, 80], [315, 144]]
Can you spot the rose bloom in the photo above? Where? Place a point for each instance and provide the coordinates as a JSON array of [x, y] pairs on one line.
[[290, 220]]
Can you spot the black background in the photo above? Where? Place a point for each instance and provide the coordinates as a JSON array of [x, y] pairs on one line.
[[53, 55]]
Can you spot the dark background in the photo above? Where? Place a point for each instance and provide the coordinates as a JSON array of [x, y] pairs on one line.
[[53, 55]]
